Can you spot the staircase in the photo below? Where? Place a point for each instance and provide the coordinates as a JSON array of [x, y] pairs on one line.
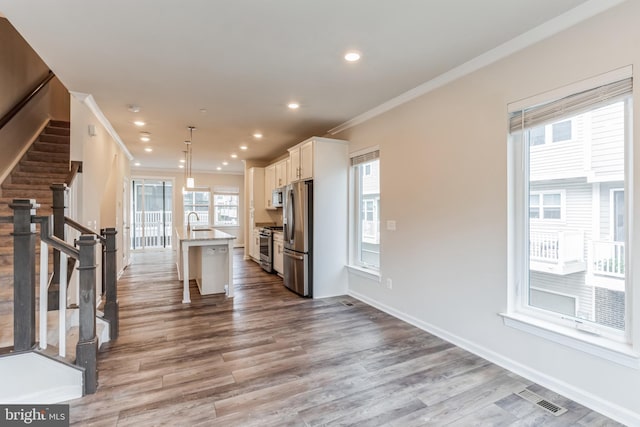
[[46, 162]]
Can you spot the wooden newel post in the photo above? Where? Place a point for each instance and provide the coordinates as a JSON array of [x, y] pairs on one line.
[[59, 212], [87, 348], [110, 283], [24, 275]]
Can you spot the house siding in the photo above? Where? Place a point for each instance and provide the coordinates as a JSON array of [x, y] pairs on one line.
[[607, 142]]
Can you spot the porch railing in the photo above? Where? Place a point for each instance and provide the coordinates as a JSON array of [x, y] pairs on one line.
[[558, 247], [608, 258], [152, 229]]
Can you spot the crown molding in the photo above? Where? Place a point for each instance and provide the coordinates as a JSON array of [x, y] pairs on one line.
[[90, 102], [554, 26]]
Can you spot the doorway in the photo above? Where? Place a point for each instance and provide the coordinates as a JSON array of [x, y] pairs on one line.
[[151, 213]]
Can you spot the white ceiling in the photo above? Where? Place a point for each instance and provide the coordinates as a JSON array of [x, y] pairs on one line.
[[244, 60]]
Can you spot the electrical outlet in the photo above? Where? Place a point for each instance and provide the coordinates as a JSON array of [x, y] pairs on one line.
[[389, 283]]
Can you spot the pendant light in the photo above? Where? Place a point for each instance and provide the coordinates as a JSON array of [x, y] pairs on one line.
[[190, 182]]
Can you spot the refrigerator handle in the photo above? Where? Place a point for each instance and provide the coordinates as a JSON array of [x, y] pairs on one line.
[[290, 255]]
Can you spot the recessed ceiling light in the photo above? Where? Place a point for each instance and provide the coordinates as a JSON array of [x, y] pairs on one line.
[[352, 56], [293, 105], [136, 164], [139, 123], [225, 163], [203, 111], [218, 168], [244, 147], [148, 149], [145, 136], [183, 161], [133, 108], [234, 156], [257, 135], [181, 166]]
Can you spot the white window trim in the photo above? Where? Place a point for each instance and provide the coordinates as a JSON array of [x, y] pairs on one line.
[[548, 134], [195, 190], [563, 210], [357, 268], [213, 208], [622, 350]]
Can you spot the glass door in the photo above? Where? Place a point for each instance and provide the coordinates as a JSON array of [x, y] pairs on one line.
[[151, 213]]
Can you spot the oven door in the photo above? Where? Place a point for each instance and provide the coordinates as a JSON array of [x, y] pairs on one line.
[[265, 251]]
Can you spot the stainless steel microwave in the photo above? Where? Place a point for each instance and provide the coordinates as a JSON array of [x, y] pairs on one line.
[[277, 197]]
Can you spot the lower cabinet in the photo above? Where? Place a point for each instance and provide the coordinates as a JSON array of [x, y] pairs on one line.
[[254, 250], [278, 253]]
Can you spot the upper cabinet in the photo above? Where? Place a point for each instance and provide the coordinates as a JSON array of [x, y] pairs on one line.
[[301, 157], [269, 185], [275, 176], [281, 173]]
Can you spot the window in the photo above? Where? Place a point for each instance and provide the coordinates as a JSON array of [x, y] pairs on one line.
[[561, 131], [556, 132], [225, 209], [546, 205], [196, 201], [567, 236], [365, 235]]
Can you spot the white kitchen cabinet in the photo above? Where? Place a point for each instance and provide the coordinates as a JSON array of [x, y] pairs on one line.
[[301, 157], [278, 252], [287, 172], [306, 160], [269, 185], [281, 173], [294, 160], [255, 245], [257, 212]]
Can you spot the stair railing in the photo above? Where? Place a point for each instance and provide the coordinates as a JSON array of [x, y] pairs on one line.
[[107, 238], [25, 100], [24, 220]]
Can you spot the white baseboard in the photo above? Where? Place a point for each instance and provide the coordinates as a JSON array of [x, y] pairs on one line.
[[576, 394]]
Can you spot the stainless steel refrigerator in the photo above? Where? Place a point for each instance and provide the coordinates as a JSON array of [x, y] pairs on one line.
[[298, 237]]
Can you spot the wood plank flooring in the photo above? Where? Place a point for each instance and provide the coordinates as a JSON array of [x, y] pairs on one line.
[[270, 358]]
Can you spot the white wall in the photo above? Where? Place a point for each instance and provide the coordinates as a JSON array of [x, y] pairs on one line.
[[105, 165], [444, 180]]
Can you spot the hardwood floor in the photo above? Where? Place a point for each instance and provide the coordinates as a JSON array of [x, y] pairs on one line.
[[270, 358]]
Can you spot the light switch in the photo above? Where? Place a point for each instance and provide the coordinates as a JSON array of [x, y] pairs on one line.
[[391, 225]]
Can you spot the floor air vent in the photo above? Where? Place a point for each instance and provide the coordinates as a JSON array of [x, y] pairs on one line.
[[347, 303], [550, 407]]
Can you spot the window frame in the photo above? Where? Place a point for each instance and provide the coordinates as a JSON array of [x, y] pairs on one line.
[[618, 346], [541, 206], [214, 207], [356, 207], [193, 205], [548, 133]]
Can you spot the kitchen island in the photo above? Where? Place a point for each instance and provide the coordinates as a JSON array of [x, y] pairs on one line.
[[206, 255]]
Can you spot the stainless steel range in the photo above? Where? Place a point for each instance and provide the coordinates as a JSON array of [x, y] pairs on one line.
[[266, 247]]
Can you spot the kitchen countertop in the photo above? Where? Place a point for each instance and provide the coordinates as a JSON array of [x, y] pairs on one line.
[[201, 234]]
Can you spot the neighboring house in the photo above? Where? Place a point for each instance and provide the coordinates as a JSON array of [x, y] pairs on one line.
[[577, 216], [371, 213]]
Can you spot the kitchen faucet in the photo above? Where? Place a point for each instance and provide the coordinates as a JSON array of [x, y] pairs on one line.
[[189, 220]]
